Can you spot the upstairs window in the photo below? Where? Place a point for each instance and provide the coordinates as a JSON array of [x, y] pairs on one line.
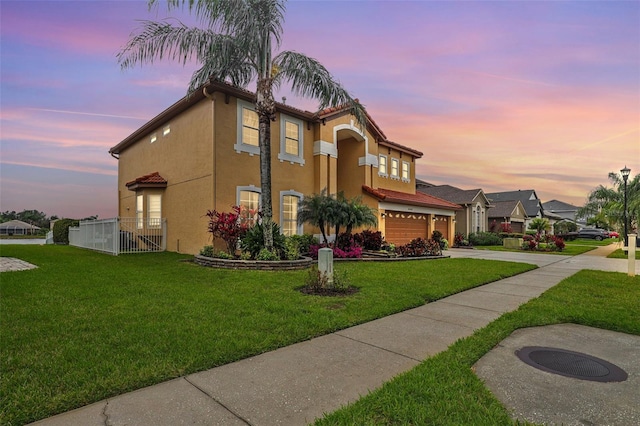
[[247, 127], [291, 143], [406, 176], [250, 126], [292, 137], [382, 165], [395, 168], [166, 130]]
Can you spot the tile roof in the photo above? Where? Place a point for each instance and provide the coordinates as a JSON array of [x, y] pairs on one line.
[[417, 199], [151, 180], [559, 206]]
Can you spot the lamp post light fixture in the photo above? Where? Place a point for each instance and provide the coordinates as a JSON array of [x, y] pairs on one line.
[[625, 176]]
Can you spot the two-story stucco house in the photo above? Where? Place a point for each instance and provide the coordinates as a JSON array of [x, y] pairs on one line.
[[202, 154]]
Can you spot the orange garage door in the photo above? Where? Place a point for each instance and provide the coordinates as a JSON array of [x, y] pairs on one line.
[[442, 225], [401, 228]]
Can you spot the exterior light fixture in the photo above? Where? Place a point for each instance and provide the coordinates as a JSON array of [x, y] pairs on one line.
[[625, 176]]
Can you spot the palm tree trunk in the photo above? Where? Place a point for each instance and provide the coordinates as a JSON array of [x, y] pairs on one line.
[[265, 108]]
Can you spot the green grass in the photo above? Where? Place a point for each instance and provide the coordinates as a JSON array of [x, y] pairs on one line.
[[591, 242], [443, 390], [85, 326], [620, 254], [569, 250]]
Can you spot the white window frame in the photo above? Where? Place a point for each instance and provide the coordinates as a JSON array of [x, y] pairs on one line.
[[283, 155], [139, 211], [396, 169], [154, 217], [299, 196], [383, 166], [408, 170], [250, 188], [240, 146]]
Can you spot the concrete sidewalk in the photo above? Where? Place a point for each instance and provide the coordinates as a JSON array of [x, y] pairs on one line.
[[297, 384]]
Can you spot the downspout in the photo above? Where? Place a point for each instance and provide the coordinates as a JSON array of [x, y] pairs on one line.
[[214, 174]]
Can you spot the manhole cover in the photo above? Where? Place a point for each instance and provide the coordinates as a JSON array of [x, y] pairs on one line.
[[571, 364]]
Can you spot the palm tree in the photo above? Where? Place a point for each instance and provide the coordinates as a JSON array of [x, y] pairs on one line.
[[540, 224], [238, 45], [605, 206], [316, 210], [360, 215]]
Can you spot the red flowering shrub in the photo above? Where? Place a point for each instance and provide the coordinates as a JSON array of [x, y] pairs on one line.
[[338, 253], [369, 240], [506, 227], [228, 226], [419, 247]]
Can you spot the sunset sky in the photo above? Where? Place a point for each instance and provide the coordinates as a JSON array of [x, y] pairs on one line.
[[498, 95]]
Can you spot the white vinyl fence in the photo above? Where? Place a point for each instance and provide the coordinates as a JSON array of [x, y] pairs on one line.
[[120, 235]]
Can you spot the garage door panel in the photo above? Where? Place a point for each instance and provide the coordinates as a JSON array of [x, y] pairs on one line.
[[401, 228]]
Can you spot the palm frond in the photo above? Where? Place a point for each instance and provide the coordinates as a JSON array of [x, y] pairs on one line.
[[309, 78], [160, 40]]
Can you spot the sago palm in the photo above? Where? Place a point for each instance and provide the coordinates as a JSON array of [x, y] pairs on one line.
[[238, 43]]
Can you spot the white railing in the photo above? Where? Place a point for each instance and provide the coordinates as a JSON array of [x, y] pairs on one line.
[[120, 235]]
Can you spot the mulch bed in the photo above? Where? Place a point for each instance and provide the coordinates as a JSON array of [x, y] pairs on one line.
[[332, 292]]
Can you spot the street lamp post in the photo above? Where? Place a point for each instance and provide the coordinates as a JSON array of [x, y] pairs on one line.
[[625, 176]]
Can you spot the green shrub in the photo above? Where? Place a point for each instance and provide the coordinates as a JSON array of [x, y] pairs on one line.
[[61, 230], [253, 239], [318, 282], [304, 241], [291, 248], [484, 239], [206, 251], [223, 255], [268, 255]]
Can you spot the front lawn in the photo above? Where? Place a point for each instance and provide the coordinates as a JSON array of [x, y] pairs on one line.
[[85, 326], [443, 390], [620, 254], [591, 242], [569, 250]]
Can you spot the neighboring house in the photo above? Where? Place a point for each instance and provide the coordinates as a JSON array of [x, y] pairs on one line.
[[17, 227], [565, 211], [510, 212], [530, 201], [473, 217], [202, 154]]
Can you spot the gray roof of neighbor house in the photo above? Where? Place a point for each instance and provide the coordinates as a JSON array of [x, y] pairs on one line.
[[451, 193], [502, 208], [527, 197], [559, 206]]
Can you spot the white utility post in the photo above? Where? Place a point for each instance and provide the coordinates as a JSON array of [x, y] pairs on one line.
[[631, 250], [325, 264]]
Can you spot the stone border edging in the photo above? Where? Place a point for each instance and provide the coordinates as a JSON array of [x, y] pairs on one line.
[[281, 265]]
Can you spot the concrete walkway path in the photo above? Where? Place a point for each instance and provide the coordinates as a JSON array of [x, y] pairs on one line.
[[297, 384]]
